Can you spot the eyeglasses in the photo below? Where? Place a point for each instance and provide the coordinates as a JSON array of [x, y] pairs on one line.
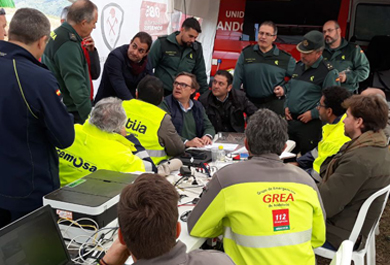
[[2, 11], [329, 30], [261, 33], [182, 85], [320, 106]]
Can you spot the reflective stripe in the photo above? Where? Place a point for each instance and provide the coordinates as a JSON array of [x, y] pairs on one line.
[[279, 240], [316, 176], [314, 153], [156, 153], [148, 165], [142, 154]]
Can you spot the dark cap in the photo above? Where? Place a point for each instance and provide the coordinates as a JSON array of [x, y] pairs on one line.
[[312, 41]]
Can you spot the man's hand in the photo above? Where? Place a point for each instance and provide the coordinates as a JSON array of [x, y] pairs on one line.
[[343, 77], [294, 163], [89, 44], [206, 140], [117, 254], [279, 91], [196, 142], [287, 113], [305, 117]]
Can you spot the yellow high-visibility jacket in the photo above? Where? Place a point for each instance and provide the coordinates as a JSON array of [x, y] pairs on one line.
[[95, 149], [144, 121], [268, 212], [333, 138]]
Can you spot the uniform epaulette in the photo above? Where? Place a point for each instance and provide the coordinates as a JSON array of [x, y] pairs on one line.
[[328, 65], [72, 37], [196, 45], [285, 52], [250, 45]]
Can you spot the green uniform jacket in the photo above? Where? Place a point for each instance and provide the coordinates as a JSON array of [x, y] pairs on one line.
[[304, 90], [65, 58], [169, 59], [261, 72], [350, 58], [268, 212]]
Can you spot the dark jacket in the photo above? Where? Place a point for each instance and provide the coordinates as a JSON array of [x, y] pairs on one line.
[[228, 115], [33, 121], [118, 79]]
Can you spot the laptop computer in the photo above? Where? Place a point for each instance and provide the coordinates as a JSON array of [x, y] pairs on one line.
[[34, 239]]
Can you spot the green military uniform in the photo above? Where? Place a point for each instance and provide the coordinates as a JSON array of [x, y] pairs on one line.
[[169, 59], [65, 58], [260, 73], [350, 58], [303, 92]]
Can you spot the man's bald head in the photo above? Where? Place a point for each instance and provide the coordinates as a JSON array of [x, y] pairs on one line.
[[373, 91]]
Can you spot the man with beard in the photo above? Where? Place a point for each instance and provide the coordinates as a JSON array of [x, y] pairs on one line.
[[125, 67], [346, 57], [357, 171], [179, 52]]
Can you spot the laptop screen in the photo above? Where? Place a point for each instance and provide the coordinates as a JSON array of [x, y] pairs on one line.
[[33, 240]]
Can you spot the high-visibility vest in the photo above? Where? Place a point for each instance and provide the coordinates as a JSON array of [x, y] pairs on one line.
[[333, 138], [144, 121], [95, 149]]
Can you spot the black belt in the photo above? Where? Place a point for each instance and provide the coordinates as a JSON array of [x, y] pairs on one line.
[[265, 99]]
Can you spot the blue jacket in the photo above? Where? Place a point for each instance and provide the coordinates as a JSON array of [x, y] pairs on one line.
[[118, 79], [33, 121]]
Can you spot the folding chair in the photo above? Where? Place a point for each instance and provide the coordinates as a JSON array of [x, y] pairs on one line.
[[343, 255], [369, 248]]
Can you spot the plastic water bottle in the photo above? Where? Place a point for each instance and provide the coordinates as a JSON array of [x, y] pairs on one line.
[[221, 154]]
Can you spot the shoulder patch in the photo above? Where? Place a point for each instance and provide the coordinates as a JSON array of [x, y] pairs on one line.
[[163, 37], [72, 37]]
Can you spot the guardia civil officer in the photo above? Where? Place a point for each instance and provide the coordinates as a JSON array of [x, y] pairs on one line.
[[348, 58], [262, 68], [311, 75], [179, 52], [65, 58]]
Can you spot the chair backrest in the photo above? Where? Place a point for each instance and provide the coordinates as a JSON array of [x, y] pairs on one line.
[[363, 212], [344, 254]]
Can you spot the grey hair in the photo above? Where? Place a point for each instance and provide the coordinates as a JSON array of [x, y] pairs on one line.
[[108, 115], [28, 25], [81, 10], [266, 133], [64, 13]]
